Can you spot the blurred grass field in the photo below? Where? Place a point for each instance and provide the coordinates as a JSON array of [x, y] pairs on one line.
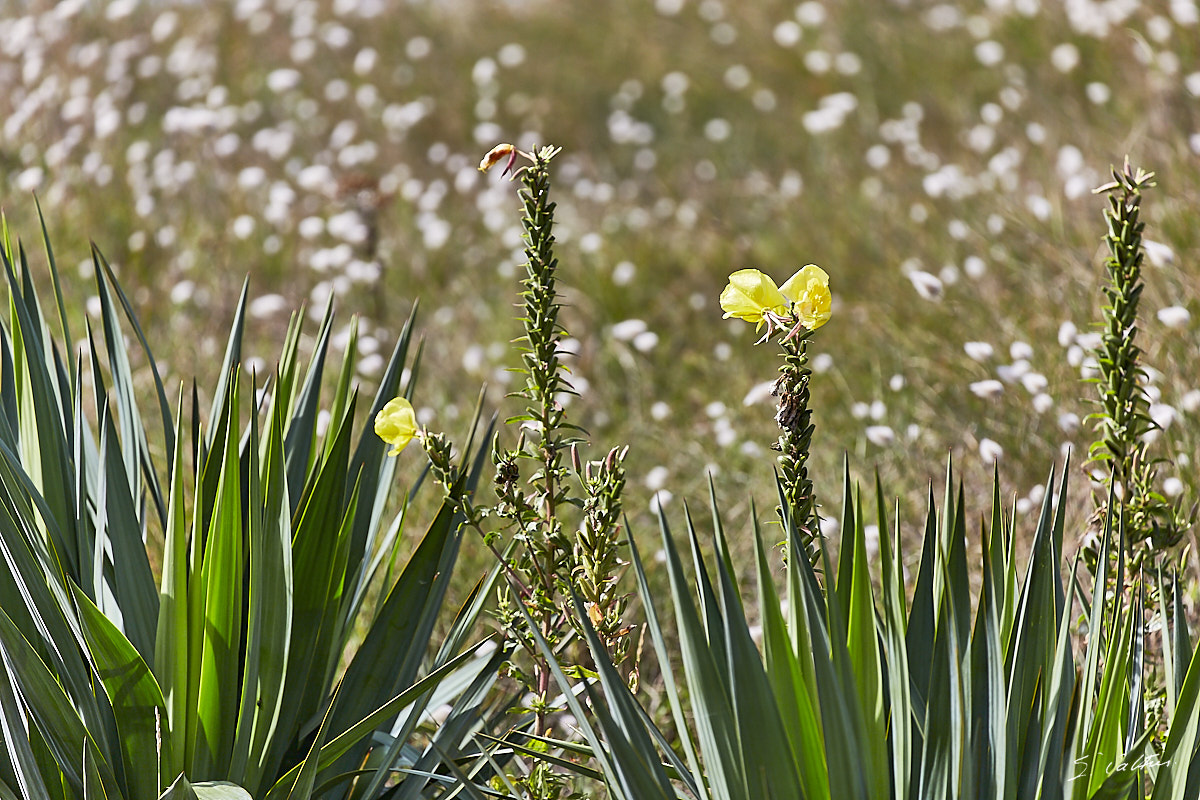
[[937, 159]]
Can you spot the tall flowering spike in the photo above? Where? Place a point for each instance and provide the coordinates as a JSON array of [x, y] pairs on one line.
[[800, 306], [396, 424], [1152, 524], [750, 295], [808, 290]]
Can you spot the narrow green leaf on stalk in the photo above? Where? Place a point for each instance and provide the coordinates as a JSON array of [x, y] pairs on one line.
[[301, 431], [713, 713], [995, 563], [49, 706], [222, 576], [42, 608], [44, 450], [64, 325], [1182, 644], [164, 410], [731, 605], [658, 637], [710, 609], [988, 685], [770, 769], [374, 470], [269, 621], [1058, 741], [1106, 742], [894, 651], [1166, 640], [1096, 629], [87, 471], [920, 631], [343, 389], [136, 699], [841, 719], [333, 634], [1031, 649], [797, 706], [229, 366], [116, 522], [315, 544], [1179, 755], [862, 646], [1135, 725], [945, 770], [8, 400], [801, 582], [135, 452], [954, 522], [13, 737], [171, 637], [841, 591]]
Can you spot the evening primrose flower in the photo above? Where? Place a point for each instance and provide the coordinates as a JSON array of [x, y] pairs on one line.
[[803, 301], [396, 424], [751, 295]]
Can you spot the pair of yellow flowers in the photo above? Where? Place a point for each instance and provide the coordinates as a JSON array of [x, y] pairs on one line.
[[803, 300], [751, 295]]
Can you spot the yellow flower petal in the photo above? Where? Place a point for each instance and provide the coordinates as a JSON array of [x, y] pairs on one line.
[[495, 155], [749, 294], [808, 291], [396, 424]]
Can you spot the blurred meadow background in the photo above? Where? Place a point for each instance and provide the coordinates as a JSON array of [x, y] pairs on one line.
[[936, 159]]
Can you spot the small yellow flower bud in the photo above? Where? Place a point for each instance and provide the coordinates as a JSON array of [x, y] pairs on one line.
[[496, 154]]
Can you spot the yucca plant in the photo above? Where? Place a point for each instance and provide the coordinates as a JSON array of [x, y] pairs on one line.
[[275, 650], [857, 694]]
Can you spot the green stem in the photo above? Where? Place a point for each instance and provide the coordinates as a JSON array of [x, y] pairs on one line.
[[795, 422]]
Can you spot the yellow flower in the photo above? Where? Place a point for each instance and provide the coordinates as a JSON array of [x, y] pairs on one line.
[[808, 290], [750, 294], [495, 155], [396, 424], [754, 297]]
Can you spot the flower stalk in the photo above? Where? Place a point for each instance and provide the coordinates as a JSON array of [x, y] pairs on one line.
[[1122, 424], [796, 430], [794, 311], [529, 529]]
